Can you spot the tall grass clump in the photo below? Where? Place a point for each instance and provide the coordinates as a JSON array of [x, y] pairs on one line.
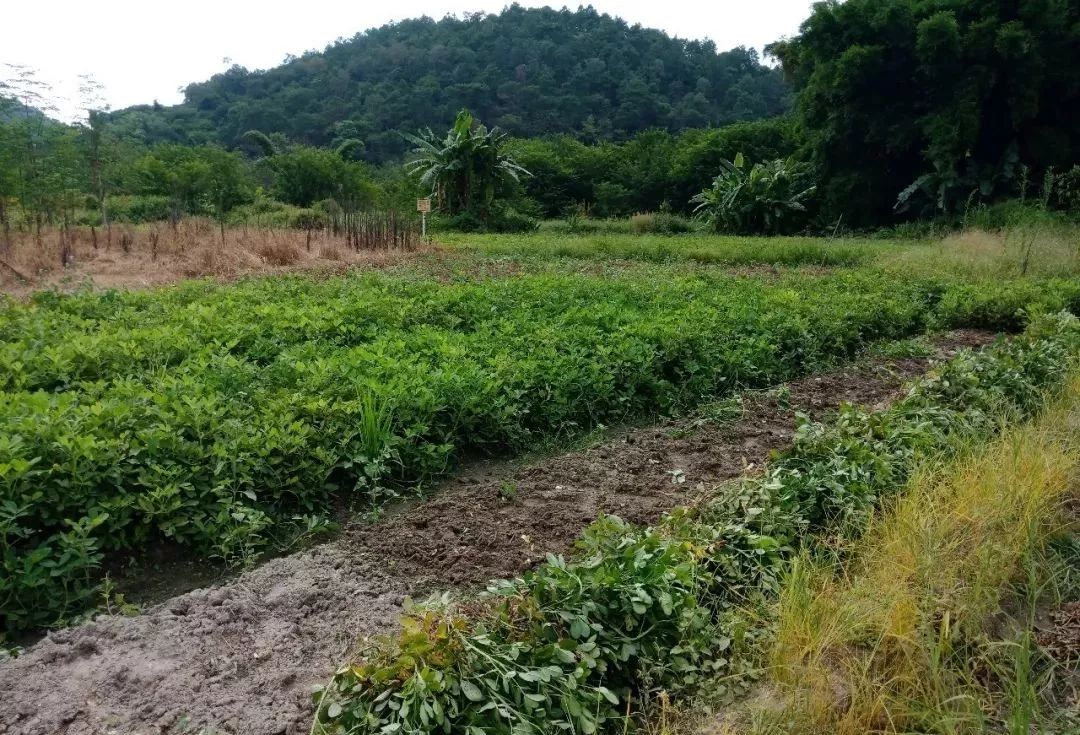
[[903, 635], [660, 223], [1029, 251]]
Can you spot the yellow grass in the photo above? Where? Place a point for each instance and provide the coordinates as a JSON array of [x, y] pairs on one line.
[[897, 641]]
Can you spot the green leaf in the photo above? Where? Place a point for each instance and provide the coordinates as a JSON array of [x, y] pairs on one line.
[[471, 691], [608, 694]]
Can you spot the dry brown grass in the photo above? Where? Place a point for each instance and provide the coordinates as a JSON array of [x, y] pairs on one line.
[[157, 254], [279, 252]]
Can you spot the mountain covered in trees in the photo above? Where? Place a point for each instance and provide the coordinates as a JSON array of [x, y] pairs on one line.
[[530, 72], [13, 109]]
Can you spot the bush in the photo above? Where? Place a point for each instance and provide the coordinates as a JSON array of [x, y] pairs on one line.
[[660, 223], [138, 209], [278, 253], [308, 219], [763, 199], [1010, 214], [1066, 195], [500, 220], [585, 226], [266, 212]]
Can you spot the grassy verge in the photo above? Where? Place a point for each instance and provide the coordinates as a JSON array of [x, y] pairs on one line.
[[926, 626], [709, 249], [1026, 248], [575, 645]]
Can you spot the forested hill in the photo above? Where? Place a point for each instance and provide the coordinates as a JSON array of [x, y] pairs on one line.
[[530, 71], [11, 109]]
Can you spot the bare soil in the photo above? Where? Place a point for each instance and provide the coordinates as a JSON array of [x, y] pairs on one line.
[[242, 657]]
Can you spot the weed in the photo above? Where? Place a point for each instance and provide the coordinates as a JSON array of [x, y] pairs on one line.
[[892, 634], [508, 491], [306, 529], [723, 411], [782, 395], [373, 445], [113, 603], [904, 348]]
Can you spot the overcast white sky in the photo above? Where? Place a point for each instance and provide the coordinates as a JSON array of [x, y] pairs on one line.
[[146, 50]]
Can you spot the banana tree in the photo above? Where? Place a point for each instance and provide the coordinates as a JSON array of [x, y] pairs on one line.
[[464, 169], [760, 199]]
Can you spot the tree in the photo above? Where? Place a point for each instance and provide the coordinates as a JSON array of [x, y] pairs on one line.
[[934, 101], [465, 169], [9, 169], [225, 182], [100, 148], [267, 147], [304, 175], [645, 172], [28, 128], [196, 180], [171, 171]]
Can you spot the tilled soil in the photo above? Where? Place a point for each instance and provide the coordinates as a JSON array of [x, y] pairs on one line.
[[242, 657]]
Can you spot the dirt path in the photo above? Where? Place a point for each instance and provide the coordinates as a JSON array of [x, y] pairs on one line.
[[242, 657]]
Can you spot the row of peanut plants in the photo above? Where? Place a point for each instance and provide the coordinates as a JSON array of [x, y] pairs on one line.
[[574, 645], [224, 417]]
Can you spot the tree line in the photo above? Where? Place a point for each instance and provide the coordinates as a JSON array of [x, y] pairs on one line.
[[903, 109], [910, 108]]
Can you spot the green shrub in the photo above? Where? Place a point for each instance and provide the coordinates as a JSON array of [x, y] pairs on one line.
[[503, 219], [1010, 214], [1066, 194], [266, 212], [659, 223], [138, 209], [766, 198], [585, 226]]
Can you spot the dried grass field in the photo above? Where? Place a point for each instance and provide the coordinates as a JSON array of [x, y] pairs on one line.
[[141, 256]]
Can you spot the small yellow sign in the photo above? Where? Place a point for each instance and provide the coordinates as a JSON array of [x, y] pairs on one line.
[[423, 205]]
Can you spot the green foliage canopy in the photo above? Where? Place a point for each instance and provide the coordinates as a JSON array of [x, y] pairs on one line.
[[530, 72], [950, 96], [645, 172], [205, 179]]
